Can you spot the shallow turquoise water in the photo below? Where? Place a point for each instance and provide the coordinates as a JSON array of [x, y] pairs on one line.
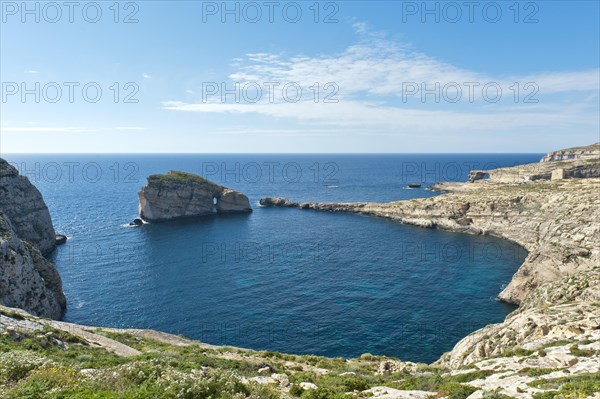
[[278, 279]]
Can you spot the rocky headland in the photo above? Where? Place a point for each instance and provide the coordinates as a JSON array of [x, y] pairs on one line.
[[585, 152], [548, 348], [183, 195], [23, 204], [27, 279]]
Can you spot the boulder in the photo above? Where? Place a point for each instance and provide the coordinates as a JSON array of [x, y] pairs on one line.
[[307, 385], [137, 222]]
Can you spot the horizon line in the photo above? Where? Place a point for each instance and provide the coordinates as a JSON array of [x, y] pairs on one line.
[[263, 153]]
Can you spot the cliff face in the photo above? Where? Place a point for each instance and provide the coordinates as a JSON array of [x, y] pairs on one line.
[[24, 205], [27, 279], [179, 195], [587, 152]]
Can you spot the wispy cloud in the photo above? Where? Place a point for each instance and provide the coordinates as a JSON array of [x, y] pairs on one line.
[[32, 71], [365, 115], [371, 76], [146, 76]]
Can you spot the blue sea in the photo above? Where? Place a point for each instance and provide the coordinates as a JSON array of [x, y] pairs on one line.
[[284, 280]]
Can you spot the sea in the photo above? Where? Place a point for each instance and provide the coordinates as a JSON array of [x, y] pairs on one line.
[[285, 280]]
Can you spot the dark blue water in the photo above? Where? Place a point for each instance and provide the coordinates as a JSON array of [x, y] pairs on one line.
[[278, 279]]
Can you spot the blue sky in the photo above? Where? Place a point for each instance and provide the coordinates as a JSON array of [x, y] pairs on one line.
[[370, 65]]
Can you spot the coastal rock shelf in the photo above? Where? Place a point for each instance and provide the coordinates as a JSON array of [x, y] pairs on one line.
[[182, 195]]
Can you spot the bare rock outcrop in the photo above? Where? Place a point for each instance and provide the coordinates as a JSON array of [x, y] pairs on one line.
[[182, 195], [586, 152], [565, 311], [27, 279], [24, 205]]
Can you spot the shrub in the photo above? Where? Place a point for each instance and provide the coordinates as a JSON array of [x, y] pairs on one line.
[[15, 364]]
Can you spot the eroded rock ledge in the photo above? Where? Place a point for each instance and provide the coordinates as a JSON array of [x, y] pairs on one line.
[[181, 195]]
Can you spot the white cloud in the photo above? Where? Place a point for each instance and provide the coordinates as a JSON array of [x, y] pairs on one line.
[[371, 76], [146, 76], [32, 71], [361, 114]]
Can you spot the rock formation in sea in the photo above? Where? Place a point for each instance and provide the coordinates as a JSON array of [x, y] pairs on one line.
[[27, 279], [180, 195]]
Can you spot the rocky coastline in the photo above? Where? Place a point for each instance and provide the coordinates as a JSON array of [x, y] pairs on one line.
[[548, 348], [555, 220]]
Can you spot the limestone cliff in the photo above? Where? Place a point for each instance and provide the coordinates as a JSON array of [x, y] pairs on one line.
[[24, 205], [27, 279], [180, 195], [586, 152]]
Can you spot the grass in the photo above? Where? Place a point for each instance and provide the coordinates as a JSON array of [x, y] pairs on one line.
[[178, 176], [450, 386], [536, 372], [576, 351], [48, 364], [9, 313], [54, 364], [568, 387]]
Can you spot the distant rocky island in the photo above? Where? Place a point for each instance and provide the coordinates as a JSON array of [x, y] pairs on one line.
[[548, 348], [179, 195]]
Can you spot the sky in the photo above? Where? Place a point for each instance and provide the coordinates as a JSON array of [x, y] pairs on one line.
[[298, 77]]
